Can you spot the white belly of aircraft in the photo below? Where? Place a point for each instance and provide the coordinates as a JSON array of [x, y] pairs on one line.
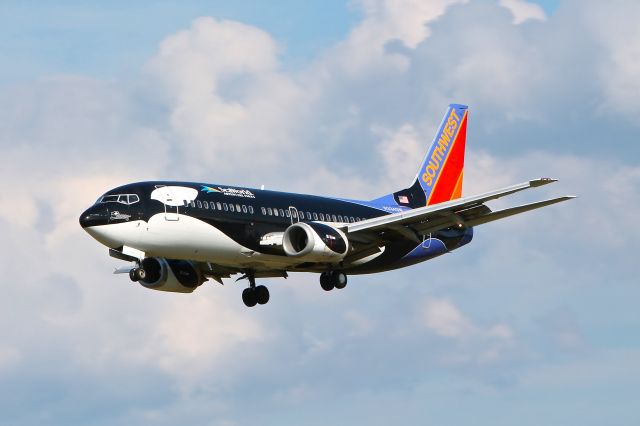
[[185, 237]]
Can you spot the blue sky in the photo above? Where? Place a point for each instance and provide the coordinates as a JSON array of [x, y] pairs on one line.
[[79, 37], [535, 322]]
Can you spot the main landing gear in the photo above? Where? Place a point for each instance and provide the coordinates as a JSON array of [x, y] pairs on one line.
[[254, 295], [333, 279]]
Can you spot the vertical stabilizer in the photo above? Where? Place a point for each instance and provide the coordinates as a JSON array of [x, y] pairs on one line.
[[439, 178], [441, 173]]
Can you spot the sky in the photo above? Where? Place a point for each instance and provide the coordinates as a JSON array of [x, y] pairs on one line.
[[535, 322]]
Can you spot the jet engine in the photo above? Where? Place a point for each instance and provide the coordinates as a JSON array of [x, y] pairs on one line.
[[315, 242], [178, 276]]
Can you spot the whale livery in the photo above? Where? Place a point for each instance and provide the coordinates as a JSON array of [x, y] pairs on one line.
[[180, 234]]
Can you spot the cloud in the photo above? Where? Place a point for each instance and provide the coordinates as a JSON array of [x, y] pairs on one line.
[[523, 10], [549, 96], [443, 318]]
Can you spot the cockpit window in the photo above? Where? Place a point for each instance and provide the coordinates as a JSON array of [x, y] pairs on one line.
[[109, 199], [119, 198]]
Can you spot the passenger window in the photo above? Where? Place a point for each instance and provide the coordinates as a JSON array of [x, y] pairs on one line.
[[287, 213], [333, 216], [352, 219], [281, 213], [315, 216], [219, 205], [192, 204], [263, 210], [275, 212], [294, 214], [199, 204], [340, 218], [225, 206], [321, 217], [232, 208], [251, 209], [244, 208], [269, 211], [238, 208], [308, 215], [205, 204]]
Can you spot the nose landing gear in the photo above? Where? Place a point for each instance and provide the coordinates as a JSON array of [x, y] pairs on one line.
[[333, 279], [137, 274]]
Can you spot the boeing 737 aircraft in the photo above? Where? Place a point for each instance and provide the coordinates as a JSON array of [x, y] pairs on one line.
[[179, 234]]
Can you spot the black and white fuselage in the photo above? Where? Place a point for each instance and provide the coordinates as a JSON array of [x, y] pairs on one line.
[[179, 234], [238, 228]]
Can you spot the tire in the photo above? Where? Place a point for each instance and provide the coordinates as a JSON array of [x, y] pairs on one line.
[[249, 297], [326, 282], [142, 274], [339, 280], [133, 275], [261, 294]]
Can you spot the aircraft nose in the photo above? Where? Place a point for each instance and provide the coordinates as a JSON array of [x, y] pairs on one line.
[[94, 215]]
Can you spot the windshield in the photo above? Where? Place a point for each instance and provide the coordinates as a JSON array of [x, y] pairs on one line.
[[119, 198]]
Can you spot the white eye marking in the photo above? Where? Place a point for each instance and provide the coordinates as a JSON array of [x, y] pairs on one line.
[[174, 196]]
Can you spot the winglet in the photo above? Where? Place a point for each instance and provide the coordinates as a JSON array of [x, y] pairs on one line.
[[542, 181]]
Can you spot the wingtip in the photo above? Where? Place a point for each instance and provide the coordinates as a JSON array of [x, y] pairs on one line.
[[542, 181]]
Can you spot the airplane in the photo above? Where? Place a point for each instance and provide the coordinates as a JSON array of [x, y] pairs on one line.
[[180, 234]]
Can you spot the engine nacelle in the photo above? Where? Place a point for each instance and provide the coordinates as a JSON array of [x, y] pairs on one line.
[[170, 275], [315, 242]]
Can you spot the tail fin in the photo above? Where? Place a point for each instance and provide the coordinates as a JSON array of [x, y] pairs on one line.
[[440, 176]]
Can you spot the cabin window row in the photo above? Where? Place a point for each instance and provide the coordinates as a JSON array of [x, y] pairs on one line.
[[268, 211], [227, 207], [307, 215]]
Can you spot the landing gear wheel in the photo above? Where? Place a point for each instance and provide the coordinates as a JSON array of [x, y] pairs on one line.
[[137, 274], [326, 282], [249, 297], [339, 279], [261, 294]]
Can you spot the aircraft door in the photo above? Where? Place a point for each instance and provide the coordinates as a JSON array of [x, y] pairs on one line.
[[294, 214], [171, 203]]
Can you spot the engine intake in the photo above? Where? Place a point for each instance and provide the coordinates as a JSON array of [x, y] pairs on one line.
[[179, 276], [315, 241]]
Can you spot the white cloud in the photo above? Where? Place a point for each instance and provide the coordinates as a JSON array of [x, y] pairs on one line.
[[443, 318], [227, 99], [619, 60], [523, 10]]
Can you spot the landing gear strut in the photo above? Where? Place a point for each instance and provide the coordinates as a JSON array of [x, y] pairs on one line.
[[333, 279], [253, 294]]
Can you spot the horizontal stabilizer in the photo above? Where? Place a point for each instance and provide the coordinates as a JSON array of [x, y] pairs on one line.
[[428, 212], [515, 210]]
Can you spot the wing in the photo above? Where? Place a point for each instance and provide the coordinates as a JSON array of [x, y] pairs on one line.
[[468, 211]]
